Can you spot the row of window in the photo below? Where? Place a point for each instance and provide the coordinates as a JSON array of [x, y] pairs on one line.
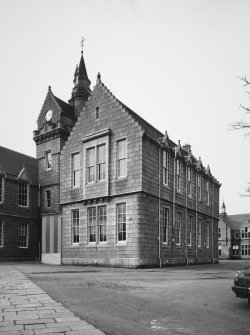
[[23, 192], [190, 179], [97, 226], [167, 229], [244, 233], [23, 235], [245, 250]]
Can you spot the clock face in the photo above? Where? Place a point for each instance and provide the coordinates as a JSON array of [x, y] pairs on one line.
[[48, 115]]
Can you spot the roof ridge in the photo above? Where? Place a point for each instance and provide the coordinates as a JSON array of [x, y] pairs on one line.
[[20, 153]]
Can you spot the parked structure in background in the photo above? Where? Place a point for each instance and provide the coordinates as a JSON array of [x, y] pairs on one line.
[[117, 192], [19, 215], [234, 235]]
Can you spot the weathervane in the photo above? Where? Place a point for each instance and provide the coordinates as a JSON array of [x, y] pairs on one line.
[[81, 43]]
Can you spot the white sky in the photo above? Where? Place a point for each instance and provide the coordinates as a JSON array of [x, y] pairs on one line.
[[175, 63]]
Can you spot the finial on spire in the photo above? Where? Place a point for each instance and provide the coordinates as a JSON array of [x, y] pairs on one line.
[[81, 43], [98, 78]]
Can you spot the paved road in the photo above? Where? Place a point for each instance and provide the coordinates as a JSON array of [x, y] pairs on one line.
[[178, 300], [26, 309]]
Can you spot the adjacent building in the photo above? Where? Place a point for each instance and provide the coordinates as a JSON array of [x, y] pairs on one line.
[[19, 214], [114, 190], [234, 235]]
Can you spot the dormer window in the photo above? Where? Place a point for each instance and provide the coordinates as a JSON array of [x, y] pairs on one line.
[[22, 193]]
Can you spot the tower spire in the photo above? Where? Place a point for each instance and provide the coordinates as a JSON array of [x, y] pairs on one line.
[[81, 90]]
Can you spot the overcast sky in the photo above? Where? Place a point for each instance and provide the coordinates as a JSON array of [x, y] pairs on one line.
[[175, 63]]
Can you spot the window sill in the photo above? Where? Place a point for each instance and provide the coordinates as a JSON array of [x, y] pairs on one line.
[[23, 247], [75, 245], [121, 178], [26, 207], [121, 244], [48, 170]]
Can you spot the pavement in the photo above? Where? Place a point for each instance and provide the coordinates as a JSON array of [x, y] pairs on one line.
[[26, 309]]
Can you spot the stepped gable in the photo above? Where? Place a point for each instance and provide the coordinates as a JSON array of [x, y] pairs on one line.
[[13, 162]]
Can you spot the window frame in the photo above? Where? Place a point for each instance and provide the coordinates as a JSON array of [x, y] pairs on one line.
[[165, 168], [22, 236], [48, 160], [178, 174], [208, 190], [121, 162], [178, 227], [75, 170], [190, 223], [165, 224], [189, 181], [21, 195], [199, 185], [97, 228], [208, 228], [75, 226], [48, 198], [121, 223]]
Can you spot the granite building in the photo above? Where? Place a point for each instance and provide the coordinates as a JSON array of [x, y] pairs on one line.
[[115, 191], [19, 212]]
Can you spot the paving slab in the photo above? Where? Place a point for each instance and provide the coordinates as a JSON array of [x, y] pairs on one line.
[[27, 309]]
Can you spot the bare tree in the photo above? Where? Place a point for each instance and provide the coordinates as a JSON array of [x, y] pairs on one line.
[[244, 125]]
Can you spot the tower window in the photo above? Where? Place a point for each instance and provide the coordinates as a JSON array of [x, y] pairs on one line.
[[48, 160], [97, 112], [48, 198]]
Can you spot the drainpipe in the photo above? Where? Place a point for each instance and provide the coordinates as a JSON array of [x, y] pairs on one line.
[[159, 208], [174, 195], [196, 218], [212, 228], [186, 247]]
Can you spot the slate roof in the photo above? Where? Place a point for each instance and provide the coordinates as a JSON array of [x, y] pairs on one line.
[[236, 221], [12, 163], [67, 109]]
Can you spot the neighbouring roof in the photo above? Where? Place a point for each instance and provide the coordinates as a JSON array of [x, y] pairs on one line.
[[236, 221], [13, 162]]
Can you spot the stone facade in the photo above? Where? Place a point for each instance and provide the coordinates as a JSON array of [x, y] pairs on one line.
[[19, 213], [129, 196]]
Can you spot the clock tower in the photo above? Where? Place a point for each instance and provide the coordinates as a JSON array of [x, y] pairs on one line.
[[54, 124]]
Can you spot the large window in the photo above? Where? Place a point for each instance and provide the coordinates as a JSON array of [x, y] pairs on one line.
[[96, 160], [121, 222], [166, 225], [199, 232], [75, 226], [91, 164], [178, 227], [199, 187], [208, 234], [235, 250], [97, 224], [23, 235], [1, 233], [245, 250], [189, 181], [1, 188], [178, 175], [23, 193], [48, 160], [165, 167], [75, 168], [245, 232], [101, 154], [102, 223], [122, 158], [189, 230]]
